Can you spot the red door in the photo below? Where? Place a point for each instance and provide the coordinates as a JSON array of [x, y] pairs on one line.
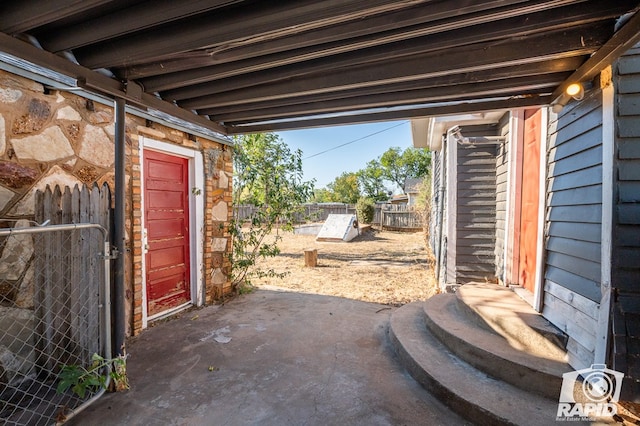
[[530, 195], [166, 195]]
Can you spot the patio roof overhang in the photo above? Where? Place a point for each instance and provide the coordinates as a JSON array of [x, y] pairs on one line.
[[234, 66]]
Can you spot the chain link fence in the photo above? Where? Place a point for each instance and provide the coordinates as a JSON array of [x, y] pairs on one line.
[[54, 312]]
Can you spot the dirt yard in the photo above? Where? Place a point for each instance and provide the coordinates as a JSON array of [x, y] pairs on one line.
[[383, 267]]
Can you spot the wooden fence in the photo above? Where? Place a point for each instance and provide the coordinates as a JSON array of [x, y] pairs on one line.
[[77, 205], [69, 273], [398, 217], [311, 212]]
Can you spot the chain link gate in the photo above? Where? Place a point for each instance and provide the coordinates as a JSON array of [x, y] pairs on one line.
[[54, 312]]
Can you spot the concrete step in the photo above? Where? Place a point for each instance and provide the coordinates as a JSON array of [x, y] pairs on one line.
[[504, 312], [490, 352], [467, 391]]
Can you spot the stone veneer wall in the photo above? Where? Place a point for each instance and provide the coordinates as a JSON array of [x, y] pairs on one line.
[[53, 137]]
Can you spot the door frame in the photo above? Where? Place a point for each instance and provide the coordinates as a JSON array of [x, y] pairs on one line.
[[511, 250], [196, 222], [538, 294]]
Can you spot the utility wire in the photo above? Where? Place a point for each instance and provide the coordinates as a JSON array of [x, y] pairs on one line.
[[355, 140]]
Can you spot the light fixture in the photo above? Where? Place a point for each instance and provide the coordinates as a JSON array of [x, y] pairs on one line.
[[456, 133], [558, 106], [575, 90]]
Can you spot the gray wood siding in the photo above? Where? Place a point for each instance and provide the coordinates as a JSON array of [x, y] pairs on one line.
[[476, 213], [502, 182], [573, 225], [625, 279]]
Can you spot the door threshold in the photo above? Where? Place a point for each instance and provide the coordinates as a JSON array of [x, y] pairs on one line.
[[524, 294], [170, 312]]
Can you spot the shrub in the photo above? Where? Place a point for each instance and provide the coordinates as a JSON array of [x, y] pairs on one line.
[[365, 210]]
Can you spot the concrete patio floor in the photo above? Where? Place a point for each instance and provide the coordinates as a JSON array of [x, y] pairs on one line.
[[269, 358]]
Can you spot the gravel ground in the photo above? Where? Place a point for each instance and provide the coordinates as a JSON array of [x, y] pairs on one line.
[[382, 267]]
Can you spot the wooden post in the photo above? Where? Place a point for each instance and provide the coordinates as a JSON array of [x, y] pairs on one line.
[[310, 257]]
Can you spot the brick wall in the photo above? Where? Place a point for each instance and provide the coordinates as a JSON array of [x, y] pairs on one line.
[[55, 137]]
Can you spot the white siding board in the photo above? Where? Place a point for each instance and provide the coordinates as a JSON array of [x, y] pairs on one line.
[[573, 322], [578, 302], [579, 357]]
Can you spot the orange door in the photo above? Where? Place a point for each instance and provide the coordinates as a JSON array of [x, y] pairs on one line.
[[166, 195], [530, 194]]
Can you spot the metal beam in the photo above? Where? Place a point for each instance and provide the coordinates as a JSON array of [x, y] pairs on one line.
[[354, 109], [127, 20], [395, 20], [565, 65], [621, 41], [262, 20], [371, 117], [325, 41], [520, 26], [23, 15], [418, 21], [499, 88], [477, 57], [98, 82]]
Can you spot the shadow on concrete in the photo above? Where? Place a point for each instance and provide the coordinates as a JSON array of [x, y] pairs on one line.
[[269, 358]]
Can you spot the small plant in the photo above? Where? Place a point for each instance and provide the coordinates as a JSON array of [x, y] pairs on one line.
[[267, 175], [248, 246], [365, 210], [81, 379]]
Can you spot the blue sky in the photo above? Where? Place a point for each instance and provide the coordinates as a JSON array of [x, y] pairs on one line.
[[364, 142]]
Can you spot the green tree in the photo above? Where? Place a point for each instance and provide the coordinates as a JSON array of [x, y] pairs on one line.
[[268, 175], [371, 180], [399, 165], [321, 195], [345, 189]]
